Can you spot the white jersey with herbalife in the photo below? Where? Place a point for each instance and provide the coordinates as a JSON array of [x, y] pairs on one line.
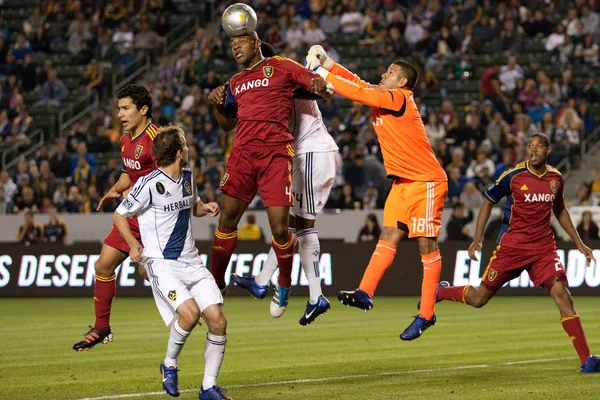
[[309, 130], [164, 208]]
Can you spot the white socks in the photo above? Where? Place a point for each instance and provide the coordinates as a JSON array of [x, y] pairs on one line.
[[310, 253], [177, 339], [213, 355]]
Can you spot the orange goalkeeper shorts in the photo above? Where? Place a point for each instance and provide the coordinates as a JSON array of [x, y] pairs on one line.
[[417, 206]]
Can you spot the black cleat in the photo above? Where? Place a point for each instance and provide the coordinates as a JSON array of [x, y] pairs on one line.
[[356, 298], [94, 337]]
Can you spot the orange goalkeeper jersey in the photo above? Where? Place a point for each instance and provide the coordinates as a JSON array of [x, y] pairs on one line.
[[399, 127]]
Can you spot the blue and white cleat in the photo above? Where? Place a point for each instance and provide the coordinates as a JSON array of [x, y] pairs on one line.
[[314, 310], [417, 327], [437, 300], [170, 380], [280, 301], [257, 291], [356, 298], [212, 393], [592, 364]]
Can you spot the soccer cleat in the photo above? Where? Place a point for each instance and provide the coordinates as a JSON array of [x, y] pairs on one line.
[[170, 381], [592, 364], [257, 291], [417, 327], [280, 301], [94, 337], [314, 310], [356, 298], [213, 393], [441, 284]]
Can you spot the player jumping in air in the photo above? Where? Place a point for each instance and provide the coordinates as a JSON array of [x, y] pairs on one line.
[[314, 166], [184, 290], [258, 101], [533, 190], [416, 201], [135, 109]]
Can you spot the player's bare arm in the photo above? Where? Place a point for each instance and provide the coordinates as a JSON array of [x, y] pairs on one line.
[[482, 219], [120, 187], [217, 98], [203, 209], [135, 252], [564, 219]]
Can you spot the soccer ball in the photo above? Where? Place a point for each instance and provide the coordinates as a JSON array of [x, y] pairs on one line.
[[238, 19]]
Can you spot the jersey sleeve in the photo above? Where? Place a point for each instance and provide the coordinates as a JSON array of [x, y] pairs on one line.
[[559, 200], [230, 103], [297, 73], [372, 96], [342, 72], [138, 199], [499, 189]]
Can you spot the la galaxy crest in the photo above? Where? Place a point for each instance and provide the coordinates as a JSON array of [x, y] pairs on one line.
[[554, 186], [172, 295], [268, 71], [138, 151], [187, 187]]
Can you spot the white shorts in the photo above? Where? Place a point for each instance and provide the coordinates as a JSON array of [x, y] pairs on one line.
[[312, 179], [174, 282]]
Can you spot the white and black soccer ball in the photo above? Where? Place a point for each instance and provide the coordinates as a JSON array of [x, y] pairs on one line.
[[238, 19]]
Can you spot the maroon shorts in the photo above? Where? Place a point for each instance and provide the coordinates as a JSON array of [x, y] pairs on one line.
[[264, 168], [543, 265], [114, 239]]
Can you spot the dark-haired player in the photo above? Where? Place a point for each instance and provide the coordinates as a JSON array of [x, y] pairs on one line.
[[415, 204], [533, 190], [135, 109], [258, 101]]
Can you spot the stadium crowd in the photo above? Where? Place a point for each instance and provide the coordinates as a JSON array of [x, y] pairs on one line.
[[475, 144]]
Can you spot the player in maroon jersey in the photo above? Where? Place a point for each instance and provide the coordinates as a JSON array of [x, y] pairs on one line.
[[258, 101], [533, 190], [135, 109]]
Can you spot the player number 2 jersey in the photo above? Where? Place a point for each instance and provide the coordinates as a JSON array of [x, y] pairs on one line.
[[530, 201], [261, 99], [136, 153], [164, 208]]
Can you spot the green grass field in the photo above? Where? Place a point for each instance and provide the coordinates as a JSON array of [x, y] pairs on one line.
[[514, 348]]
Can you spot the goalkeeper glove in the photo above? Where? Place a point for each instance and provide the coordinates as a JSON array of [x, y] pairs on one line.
[[312, 62], [321, 54]]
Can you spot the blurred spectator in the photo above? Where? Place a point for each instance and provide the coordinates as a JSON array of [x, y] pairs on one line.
[[214, 172], [54, 91], [354, 173], [347, 200], [10, 187], [55, 230], [587, 228], [448, 117], [60, 163], [356, 117], [114, 14], [509, 75], [77, 38], [6, 204], [493, 131], [456, 184], [82, 152], [250, 230], [370, 197], [508, 162], [471, 197], [162, 26], [30, 232], [5, 126], [28, 74], [21, 125], [587, 51], [147, 42], [589, 92], [105, 52], [26, 201], [528, 94], [329, 23], [351, 21], [456, 228], [481, 169], [582, 198], [73, 202], [590, 20], [457, 160], [548, 89], [435, 130], [594, 186], [370, 231], [511, 38], [313, 34], [539, 109], [294, 35], [571, 21], [490, 89]]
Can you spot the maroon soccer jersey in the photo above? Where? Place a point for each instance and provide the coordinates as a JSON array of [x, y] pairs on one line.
[[530, 200], [261, 98], [138, 159]]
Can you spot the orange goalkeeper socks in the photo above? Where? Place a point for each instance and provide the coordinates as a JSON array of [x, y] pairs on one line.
[[432, 267], [382, 258]]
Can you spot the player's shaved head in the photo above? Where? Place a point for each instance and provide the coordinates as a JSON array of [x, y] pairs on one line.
[[410, 73], [169, 141], [543, 138], [246, 49]]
